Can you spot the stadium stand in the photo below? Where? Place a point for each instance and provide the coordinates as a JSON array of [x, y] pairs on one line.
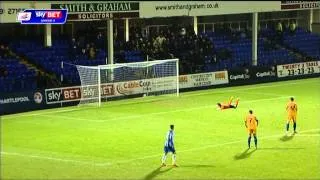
[[14, 74], [209, 51], [303, 42], [270, 51]]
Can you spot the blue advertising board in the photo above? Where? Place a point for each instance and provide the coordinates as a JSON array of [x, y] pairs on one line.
[[21, 102]]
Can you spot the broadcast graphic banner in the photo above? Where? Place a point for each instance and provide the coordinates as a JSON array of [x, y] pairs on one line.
[[42, 16], [298, 69]]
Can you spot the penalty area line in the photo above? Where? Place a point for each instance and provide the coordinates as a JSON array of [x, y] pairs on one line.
[[4, 153], [46, 158], [155, 113], [200, 148]]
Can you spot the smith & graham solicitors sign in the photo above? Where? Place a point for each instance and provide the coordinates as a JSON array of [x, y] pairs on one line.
[[82, 11]]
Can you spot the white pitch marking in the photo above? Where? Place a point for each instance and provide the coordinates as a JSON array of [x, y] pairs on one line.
[[46, 157], [157, 113], [255, 87], [140, 158], [13, 116], [265, 94], [188, 94], [195, 149]]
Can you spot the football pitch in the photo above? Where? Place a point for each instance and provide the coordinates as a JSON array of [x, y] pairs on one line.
[[124, 139]]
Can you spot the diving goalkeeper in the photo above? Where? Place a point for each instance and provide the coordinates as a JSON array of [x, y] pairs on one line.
[[221, 106]]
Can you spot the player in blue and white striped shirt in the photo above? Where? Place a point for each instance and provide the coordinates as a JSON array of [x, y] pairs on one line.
[[169, 147]]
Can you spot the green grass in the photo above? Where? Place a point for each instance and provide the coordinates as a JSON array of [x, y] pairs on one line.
[[124, 139]]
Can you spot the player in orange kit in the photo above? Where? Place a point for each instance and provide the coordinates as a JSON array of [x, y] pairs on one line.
[[228, 105], [251, 123], [292, 110]]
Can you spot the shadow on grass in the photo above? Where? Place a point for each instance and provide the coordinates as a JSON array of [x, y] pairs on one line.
[[286, 138], [245, 154], [156, 172]]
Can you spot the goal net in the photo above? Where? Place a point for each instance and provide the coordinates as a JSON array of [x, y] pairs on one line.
[[149, 78]]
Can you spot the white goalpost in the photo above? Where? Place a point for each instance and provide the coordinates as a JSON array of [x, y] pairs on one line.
[[148, 78]]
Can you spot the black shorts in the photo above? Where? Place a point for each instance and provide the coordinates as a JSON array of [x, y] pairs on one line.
[[169, 149]]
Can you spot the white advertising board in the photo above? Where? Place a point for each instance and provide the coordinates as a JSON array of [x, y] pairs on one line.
[[298, 69], [69, 94], [150, 9]]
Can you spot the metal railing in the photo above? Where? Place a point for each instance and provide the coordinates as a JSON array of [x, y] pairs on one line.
[[213, 24]]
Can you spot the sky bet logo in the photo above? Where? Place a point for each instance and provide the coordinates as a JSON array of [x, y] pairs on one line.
[[49, 14], [43, 16]]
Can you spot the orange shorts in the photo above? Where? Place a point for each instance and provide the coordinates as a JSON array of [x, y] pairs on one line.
[[292, 117], [252, 131]]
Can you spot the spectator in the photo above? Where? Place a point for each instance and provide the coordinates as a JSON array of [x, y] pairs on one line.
[[287, 26], [115, 34], [100, 41], [82, 42], [214, 58], [4, 51], [268, 45], [200, 57], [279, 27], [158, 43], [3, 71], [279, 32], [87, 48], [41, 80], [84, 52], [92, 51], [149, 49], [190, 30], [183, 32], [73, 49], [292, 27]]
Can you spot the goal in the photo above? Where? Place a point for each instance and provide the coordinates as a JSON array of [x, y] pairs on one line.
[[148, 78]]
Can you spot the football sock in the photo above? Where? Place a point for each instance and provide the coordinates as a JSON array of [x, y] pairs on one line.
[[249, 141], [294, 126], [287, 126], [164, 158], [255, 140], [230, 100], [237, 102], [173, 159]]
